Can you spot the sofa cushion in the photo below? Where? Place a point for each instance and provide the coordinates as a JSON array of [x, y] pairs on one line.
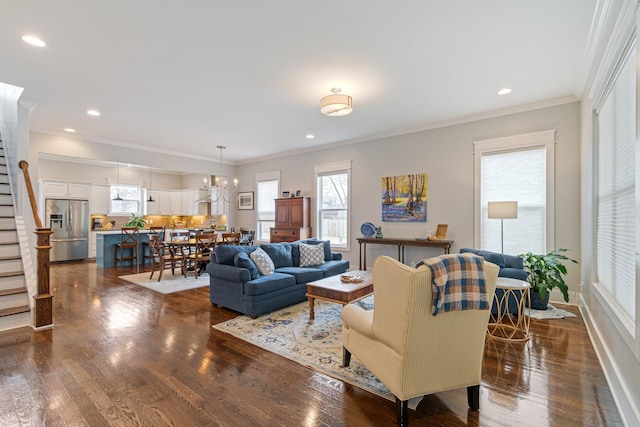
[[303, 274], [263, 261], [331, 268], [280, 253], [225, 254], [243, 260], [514, 273], [311, 254], [270, 283]]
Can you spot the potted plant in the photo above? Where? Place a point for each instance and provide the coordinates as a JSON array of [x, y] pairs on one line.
[[545, 272], [136, 221]]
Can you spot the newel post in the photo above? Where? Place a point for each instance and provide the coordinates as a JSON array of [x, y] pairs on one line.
[[43, 317]]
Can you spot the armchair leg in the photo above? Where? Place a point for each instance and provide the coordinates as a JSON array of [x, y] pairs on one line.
[[473, 397], [402, 412], [346, 357]]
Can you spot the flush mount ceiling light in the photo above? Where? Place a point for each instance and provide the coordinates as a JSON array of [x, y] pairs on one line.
[[336, 104], [33, 41]]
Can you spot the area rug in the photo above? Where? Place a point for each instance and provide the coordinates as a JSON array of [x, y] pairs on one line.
[[169, 283], [550, 313], [316, 344]]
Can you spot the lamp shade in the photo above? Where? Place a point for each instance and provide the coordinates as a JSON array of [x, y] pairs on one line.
[[336, 104], [503, 210]]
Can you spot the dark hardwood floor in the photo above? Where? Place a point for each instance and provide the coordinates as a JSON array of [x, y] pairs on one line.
[[123, 355]]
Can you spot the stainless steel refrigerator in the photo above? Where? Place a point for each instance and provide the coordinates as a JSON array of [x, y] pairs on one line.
[[69, 221]]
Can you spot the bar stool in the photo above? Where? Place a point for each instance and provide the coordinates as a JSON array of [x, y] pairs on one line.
[[128, 241]]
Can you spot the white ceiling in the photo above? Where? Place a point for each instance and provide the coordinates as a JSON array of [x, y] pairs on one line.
[[185, 76]]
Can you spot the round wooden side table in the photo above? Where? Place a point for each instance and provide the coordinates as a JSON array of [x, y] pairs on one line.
[[508, 326]]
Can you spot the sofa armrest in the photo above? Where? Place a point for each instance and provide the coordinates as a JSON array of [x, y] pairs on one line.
[[228, 272], [336, 256], [512, 261]]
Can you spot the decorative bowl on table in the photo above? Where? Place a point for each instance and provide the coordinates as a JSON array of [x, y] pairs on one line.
[[350, 278]]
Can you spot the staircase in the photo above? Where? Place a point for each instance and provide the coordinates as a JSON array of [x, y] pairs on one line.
[[14, 298]]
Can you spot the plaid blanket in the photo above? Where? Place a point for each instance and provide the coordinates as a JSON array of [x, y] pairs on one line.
[[458, 282]]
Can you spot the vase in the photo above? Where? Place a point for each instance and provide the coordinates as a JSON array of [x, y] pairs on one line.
[[537, 303]]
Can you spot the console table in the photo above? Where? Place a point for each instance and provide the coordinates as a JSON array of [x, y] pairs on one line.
[[400, 243]]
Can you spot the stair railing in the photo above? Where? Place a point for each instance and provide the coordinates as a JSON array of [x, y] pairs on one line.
[[43, 300]]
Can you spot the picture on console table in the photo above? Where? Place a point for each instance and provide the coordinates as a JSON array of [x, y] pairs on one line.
[[404, 198]]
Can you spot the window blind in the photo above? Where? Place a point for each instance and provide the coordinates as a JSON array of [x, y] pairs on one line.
[[518, 175], [615, 189]]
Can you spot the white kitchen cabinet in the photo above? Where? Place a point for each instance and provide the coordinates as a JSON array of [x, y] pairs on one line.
[[189, 204], [66, 190], [162, 204], [176, 202], [92, 244], [100, 199]]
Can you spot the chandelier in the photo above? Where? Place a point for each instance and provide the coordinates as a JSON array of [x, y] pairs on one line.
[[219, 186]]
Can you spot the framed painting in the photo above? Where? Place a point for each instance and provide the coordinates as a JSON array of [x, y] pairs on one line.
[[245, 200], [404, 198]]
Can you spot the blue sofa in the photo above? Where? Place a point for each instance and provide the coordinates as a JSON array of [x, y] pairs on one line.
[[236, 283], [510, 266]]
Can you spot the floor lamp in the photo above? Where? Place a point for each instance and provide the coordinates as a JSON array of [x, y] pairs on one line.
[[502, 211]]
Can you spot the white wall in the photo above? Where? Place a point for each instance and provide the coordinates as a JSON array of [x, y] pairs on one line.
[[446, 155]]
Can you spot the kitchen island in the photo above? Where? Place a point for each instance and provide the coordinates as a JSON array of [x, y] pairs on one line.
[[106, 241]]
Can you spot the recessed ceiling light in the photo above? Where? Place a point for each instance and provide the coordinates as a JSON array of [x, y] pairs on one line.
[[310, 136], [93, 113], [71, 130], [504, 91], [34, 41]]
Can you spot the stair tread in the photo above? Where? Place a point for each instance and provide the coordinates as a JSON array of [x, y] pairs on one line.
[[13, 291], [11, 273], [14, 310], [10, 258]]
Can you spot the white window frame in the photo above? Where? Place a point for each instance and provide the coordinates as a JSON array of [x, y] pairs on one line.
[[138, 201], [328, 169], [630, 332], [510, 143], [264, 176]]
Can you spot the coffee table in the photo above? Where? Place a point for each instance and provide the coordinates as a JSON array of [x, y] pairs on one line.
[[332, 289]]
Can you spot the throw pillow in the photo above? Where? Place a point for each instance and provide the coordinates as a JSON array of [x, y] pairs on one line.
[[242, 260], [262, 260], [311, 254]]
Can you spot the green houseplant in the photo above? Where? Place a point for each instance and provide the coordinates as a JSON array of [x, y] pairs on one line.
[[545, 272], [136, 221]]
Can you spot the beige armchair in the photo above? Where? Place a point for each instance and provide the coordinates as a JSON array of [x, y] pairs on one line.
[[412, 352]]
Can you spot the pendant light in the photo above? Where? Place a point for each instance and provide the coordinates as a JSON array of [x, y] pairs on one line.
[[118, 190], [150, 199]]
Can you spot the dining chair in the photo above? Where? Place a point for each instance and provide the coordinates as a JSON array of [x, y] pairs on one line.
[[205, 244], [146, 252], [246, 237], [128, 242], [231, 238], [161, 255]]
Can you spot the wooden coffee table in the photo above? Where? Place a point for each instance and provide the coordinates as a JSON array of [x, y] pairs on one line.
[[332, 289]]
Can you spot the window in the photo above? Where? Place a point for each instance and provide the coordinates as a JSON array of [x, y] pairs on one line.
[[615, 191], [268, 184], [518, 168], [333, 182], [131, 196]]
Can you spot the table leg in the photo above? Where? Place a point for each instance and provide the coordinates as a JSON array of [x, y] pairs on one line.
[[363, 256], [311, 312]]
